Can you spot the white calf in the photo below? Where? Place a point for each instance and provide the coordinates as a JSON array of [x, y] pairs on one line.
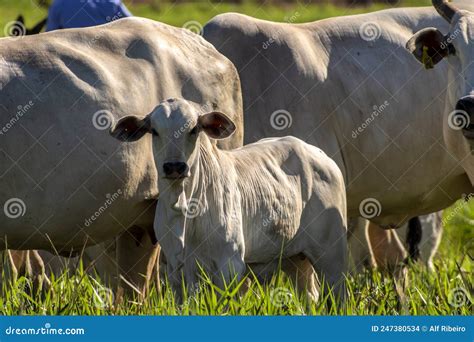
[[276, 198]]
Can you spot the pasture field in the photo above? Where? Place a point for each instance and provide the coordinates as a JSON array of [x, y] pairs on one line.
[[447, 291]]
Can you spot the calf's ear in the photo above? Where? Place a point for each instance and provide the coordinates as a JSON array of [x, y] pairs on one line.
[[131, 128], [429, 46], [216, 125]]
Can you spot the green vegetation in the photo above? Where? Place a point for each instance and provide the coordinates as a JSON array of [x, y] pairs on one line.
[[446, 291]]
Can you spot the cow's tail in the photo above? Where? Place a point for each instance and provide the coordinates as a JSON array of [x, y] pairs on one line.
[[413, 238]]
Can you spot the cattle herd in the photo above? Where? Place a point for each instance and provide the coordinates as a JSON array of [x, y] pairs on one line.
[[256, 146]]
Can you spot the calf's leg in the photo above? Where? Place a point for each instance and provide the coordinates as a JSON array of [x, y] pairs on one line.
[[326, 248]]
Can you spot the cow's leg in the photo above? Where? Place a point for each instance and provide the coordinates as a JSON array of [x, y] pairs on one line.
[[329, 255], [330, 261], [359, 247], [135, 252], [37, 271], [301, 272], [386, 249], [228, 269], [15, 263]]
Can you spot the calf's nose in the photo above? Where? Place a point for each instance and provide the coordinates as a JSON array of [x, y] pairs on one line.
[[175, 169], [464, 116]]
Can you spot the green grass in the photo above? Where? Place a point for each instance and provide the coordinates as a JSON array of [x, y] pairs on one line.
[[370, 293], [446, 291], [201, 12]]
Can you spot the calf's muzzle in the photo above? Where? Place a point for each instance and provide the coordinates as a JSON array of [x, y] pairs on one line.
[[175, 170]]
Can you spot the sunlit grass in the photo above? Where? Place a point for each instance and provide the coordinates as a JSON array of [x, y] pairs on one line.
[[447, 291]]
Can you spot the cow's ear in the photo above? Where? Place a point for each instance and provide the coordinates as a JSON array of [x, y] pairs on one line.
[[216, 125], [131, 128], [429, 46]]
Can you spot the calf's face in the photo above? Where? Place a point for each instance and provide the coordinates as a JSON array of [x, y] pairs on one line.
[[176, 127], [430, 46]]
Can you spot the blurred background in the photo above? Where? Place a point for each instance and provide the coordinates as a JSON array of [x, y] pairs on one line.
[[181, 12]]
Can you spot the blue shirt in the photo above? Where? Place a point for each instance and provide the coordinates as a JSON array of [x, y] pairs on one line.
[[82, 13]]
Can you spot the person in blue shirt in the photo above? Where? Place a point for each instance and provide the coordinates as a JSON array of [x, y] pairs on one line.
[[83, 13]]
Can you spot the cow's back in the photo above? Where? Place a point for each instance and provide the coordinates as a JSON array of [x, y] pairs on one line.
[[348, 86], [278, 179]]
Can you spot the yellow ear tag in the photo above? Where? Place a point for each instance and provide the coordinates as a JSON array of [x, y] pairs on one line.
[[426, 59]]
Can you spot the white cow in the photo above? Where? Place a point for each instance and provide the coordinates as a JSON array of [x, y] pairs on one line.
[[454, 44], [349, 86], [63, 180], [225, 209]]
